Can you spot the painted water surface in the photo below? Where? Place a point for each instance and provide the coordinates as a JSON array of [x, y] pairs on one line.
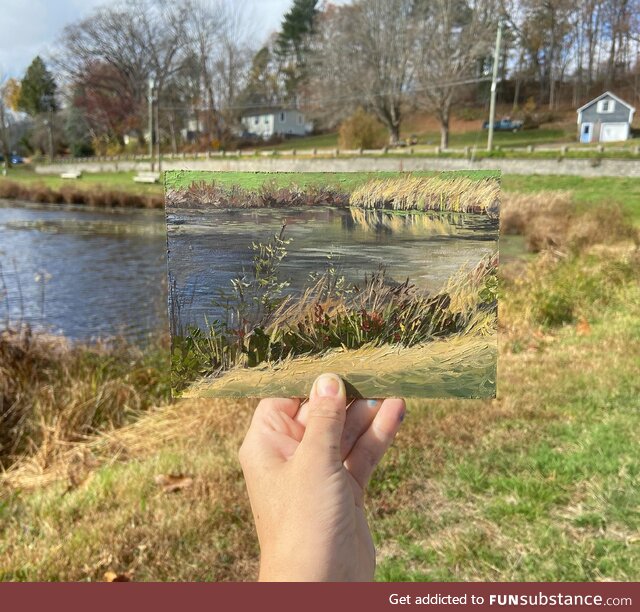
[[398, 302], [207, 249], [83, 274]]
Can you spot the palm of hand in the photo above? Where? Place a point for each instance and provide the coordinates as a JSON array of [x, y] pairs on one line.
[[317, 490]]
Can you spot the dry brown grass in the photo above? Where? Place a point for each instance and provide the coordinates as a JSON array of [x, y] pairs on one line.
[[459, 194], [552, 220], [203, 194], [53, 393], [67, 194]]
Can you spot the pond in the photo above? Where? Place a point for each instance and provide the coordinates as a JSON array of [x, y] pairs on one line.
[[84, 274], [207, 249]]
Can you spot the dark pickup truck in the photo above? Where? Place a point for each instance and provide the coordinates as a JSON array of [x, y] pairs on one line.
[[505, 125]]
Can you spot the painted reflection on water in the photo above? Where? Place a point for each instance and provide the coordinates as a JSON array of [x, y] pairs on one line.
[[261, 298]]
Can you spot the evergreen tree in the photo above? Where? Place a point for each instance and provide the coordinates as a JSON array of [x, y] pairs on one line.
[[292, 44], [38, 89]]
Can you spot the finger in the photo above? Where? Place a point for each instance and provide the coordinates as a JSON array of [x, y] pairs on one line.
[[277, 414], [360, 415], [326, 416], [374, 442], [273, 435]]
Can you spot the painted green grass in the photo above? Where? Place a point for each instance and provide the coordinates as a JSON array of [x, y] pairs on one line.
[[346, 181]]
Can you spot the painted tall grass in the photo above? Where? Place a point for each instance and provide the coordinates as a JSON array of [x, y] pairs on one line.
[[459, 194], [331, 315]]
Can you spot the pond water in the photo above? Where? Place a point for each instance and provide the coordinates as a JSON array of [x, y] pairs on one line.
[[84, 274], [89, 274], [207, 249]]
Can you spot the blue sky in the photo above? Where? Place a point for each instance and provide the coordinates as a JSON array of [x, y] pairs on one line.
[[31, 27]]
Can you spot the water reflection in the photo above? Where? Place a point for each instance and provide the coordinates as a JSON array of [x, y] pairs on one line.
[[207, 249]]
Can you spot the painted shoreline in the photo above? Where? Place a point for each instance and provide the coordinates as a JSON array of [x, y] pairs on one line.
[[450, 368]]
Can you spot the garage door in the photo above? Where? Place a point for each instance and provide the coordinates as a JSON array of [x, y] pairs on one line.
[[613, 131]]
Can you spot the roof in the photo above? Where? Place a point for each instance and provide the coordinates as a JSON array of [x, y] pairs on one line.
[[268, 110], [603, 95]]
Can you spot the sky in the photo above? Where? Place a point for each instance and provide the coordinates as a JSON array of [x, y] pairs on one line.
[[32, 27]]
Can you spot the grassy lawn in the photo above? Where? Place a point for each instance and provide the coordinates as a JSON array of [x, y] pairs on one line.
[[586, 190], [541, 484], [105, 180], [457, 139], [321, 141]]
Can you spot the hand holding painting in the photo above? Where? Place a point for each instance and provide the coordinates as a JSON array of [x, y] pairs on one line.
[[306, 466]]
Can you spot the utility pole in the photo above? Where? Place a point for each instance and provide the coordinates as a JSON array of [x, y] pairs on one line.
[[47, 101], [494, 85], [150, 99], [50, 133], [158, 131]]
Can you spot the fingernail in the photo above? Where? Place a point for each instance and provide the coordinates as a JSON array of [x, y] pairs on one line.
[[328, 385], [372, 403]]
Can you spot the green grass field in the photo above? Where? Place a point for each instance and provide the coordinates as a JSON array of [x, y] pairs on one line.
[[105, 180], [541, 484], [457, 139]]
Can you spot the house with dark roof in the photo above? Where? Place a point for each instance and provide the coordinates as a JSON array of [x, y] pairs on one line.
[[276, 121], [606, 118]]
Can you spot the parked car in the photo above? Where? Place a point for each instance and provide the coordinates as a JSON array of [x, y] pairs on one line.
[[13, 159], [505, 125]]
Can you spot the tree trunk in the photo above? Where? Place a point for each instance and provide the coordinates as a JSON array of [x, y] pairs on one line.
[[394, 133], [172, 131], [444, 133]]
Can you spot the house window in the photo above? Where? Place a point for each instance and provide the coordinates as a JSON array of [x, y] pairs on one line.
[[266, 118], [299, 119], [606, 106], [256, 120], [281, 117]]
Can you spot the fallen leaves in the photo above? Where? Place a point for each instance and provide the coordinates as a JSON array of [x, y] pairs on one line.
[[111, 576], [583, 328], [171, 483]]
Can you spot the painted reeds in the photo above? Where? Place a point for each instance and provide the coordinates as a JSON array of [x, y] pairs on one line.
[[459, 194], [213, 195]]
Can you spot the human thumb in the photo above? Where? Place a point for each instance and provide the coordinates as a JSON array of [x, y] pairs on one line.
[[326, 417]]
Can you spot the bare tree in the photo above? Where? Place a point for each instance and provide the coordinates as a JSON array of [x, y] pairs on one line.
[[137, 38], [456, 37], [364, 57]]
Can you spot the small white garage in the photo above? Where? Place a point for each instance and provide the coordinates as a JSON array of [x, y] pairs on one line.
[[606, 118]]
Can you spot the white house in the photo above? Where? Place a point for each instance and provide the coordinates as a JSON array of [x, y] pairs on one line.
[[278, 121], [606, 118]]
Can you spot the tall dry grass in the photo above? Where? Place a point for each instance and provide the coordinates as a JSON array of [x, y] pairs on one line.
[[460, 194], [553, 220], [68, 194], [53, 393]]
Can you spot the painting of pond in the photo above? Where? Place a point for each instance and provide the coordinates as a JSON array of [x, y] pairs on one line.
[[270, 288]]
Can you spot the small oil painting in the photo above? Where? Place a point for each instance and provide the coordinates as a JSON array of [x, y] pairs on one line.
[[387, 279]]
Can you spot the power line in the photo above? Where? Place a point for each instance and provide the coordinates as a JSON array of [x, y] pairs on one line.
[[413, 90]]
